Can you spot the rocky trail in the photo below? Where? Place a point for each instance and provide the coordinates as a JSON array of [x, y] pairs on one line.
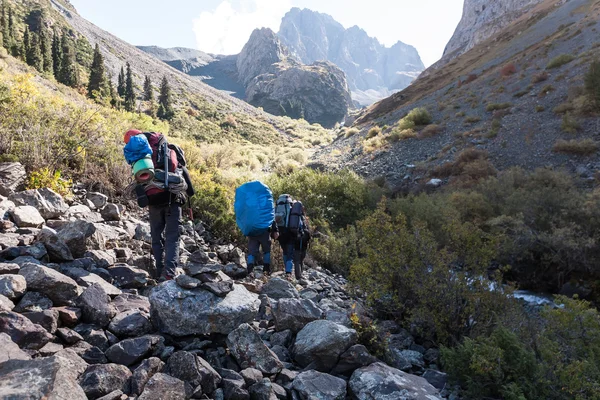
[[81, 317]]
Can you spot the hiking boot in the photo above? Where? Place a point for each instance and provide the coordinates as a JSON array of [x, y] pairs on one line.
[[289, 276], [267, 269]]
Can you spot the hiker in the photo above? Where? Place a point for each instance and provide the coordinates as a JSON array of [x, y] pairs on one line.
[[164, 186], [294, 235], [254, 214]]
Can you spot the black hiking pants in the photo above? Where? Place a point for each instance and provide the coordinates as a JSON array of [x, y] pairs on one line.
[[164, 228]]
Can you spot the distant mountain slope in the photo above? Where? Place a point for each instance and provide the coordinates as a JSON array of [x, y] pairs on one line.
[[517, 96], [373, 71]]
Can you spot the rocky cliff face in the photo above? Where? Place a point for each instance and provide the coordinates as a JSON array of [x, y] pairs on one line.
[[373, 71], [482, 19], [260, 53]]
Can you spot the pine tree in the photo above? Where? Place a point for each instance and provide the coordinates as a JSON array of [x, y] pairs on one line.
[[15, 48], [26, 43], [121, 83], [97, 83], [33, 53], [57, 55], [46, 49], [5, 31], [148, 91], [68, 74], [129, 103], [165, 108], [592, 83]]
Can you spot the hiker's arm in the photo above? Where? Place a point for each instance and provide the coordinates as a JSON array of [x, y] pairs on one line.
[[274, 230]]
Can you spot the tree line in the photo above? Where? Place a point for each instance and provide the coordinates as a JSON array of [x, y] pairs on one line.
[[53, 52]]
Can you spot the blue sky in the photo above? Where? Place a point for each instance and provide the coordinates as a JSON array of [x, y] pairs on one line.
[[223, 26]]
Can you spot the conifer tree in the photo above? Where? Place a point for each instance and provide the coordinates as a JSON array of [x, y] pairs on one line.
[[129, 102], [26, 43], [121, 83], [5, 31], [15, 48], [97, 82], [33, 53], [68, 74], [46, 49], [165, 108], [148, 91], [57, 55]]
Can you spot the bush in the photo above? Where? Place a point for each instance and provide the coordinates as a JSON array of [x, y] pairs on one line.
[[540, 77], [416, 117], [570, 124], [401, 134], [563, 108], [374, 131], [546, 90], [583, 147], [508, 70], [559, 61], [373, 144], [497, 106], [592, 82], [539, 108], [429, 131], [472, 120], [351, 132], [46, 179]]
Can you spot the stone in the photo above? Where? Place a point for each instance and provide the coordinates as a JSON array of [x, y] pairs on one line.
[[23, 332], [103, 259], [282, 353], [435, 183], [181, 312], [193, 370], [277, 288], [58, 251], [48, 319], [83, 213], [164, 387], [99, 200], [111, 212], [50, 349], [249, 350], [95, 306], [432, 356], [437, 379], [68, 336], [86, 279], [9, 350], [49, 203], [283, 338], [12, 286], [12, 177], [143, 373], [6, 304], [131, 351], [320, 344], [130, 323], [187, 282], [379, 381], [9, 268], [262, 390], [235, 271], [43, 378], [127, 277], [286, 377], [355, 357], [294, 314], [93, 335], [59, 288], [220, 289], [27, 217], [279, 391], [405, 360], [142, 232], [114, 395], [5, 206], [195, 270], [90, 354], [251, 376], [37, 251], [233, 385], [100, 380], [69, 316], [311, 385], [127, 301], [77, 235]]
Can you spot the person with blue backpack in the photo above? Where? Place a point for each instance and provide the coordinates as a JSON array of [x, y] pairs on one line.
[[255, 216]]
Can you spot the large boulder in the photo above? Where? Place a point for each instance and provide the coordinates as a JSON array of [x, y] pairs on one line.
[[194, 370], [249, 350], [164, 387], [294, 314], [131, 351], [127, 301], [78, 236], [49, 203], [95, 306], [355, 357], [49, 378], [130, 323], [314, 385], [380, 381], [27, 217], [61, 289], [321, 343], [23, 332], [102, 379], [12, 286], [181, 312], [12, 177], [277, 288], [128, 277], [57, 250], [9, 350]]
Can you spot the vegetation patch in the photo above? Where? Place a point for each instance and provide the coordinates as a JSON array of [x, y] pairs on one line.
[[497, 106], [584, 147], [374, 131], [570, 124], [559, 61]]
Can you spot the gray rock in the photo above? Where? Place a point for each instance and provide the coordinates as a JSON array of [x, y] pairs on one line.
[[438, 379], [99, 200], [251, 376], [249, 350], [59, 288], [49, 203], [143, 373], [195, 270], [282, 353], [78, 236], [127, 301], [131, 323], [142, 232], [100, 380], [187, 282], [131, 351], [127, 277], [314, 385], [111, 212], [68, 336], [69, 316], [12, 286], [58, 251], [164, 387], [48, 319], [277, 288], [286, 377], [181, 312], [27, 217], [320, 344], [233, 385], [9, 350], [43, 378], [262, 390], [86, 279], [90, 354], [95, 306], [379, 381], [355, 357], [12, 177], [193, 370], [283, 338], [83, 213], [93, 335], [221, 289], [294, 314], [279, 391], [235, 271], [23, 332], [5, 206], [50, 349], [432, 356], [37, 251], [405, 360], [103, 259], [114, 395], [9, 268], [6, 304]]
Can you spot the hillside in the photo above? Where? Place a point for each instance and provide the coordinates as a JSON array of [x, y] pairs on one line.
[[518, 97]]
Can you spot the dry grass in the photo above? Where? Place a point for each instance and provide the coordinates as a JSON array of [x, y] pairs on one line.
[[374, 131], [508, 70], [540, 77], [584, 147], [430, 131]]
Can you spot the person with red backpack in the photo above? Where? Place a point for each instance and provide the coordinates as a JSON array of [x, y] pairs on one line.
[[164, 186]]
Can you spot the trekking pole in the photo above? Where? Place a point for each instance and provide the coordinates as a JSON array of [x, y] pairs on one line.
[[166, 155]]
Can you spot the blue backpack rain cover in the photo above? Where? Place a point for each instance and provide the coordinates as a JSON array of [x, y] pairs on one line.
[[137, 148], [254, 209]]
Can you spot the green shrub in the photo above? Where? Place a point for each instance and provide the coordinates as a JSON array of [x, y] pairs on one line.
[[351, 132], [416, 117], [374, 131], [43, 178], [563, 108], [559, 61], [592, 82], [570, 124], [497, 106], [540, 108], [472, 120], [584, 147]]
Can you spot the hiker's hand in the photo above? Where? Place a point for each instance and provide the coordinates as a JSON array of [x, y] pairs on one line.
[[275, 235]]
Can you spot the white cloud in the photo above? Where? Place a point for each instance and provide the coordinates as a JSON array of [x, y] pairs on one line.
[[226, 29]]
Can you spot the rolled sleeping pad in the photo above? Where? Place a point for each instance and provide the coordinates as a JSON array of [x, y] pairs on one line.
[[143, 170]]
